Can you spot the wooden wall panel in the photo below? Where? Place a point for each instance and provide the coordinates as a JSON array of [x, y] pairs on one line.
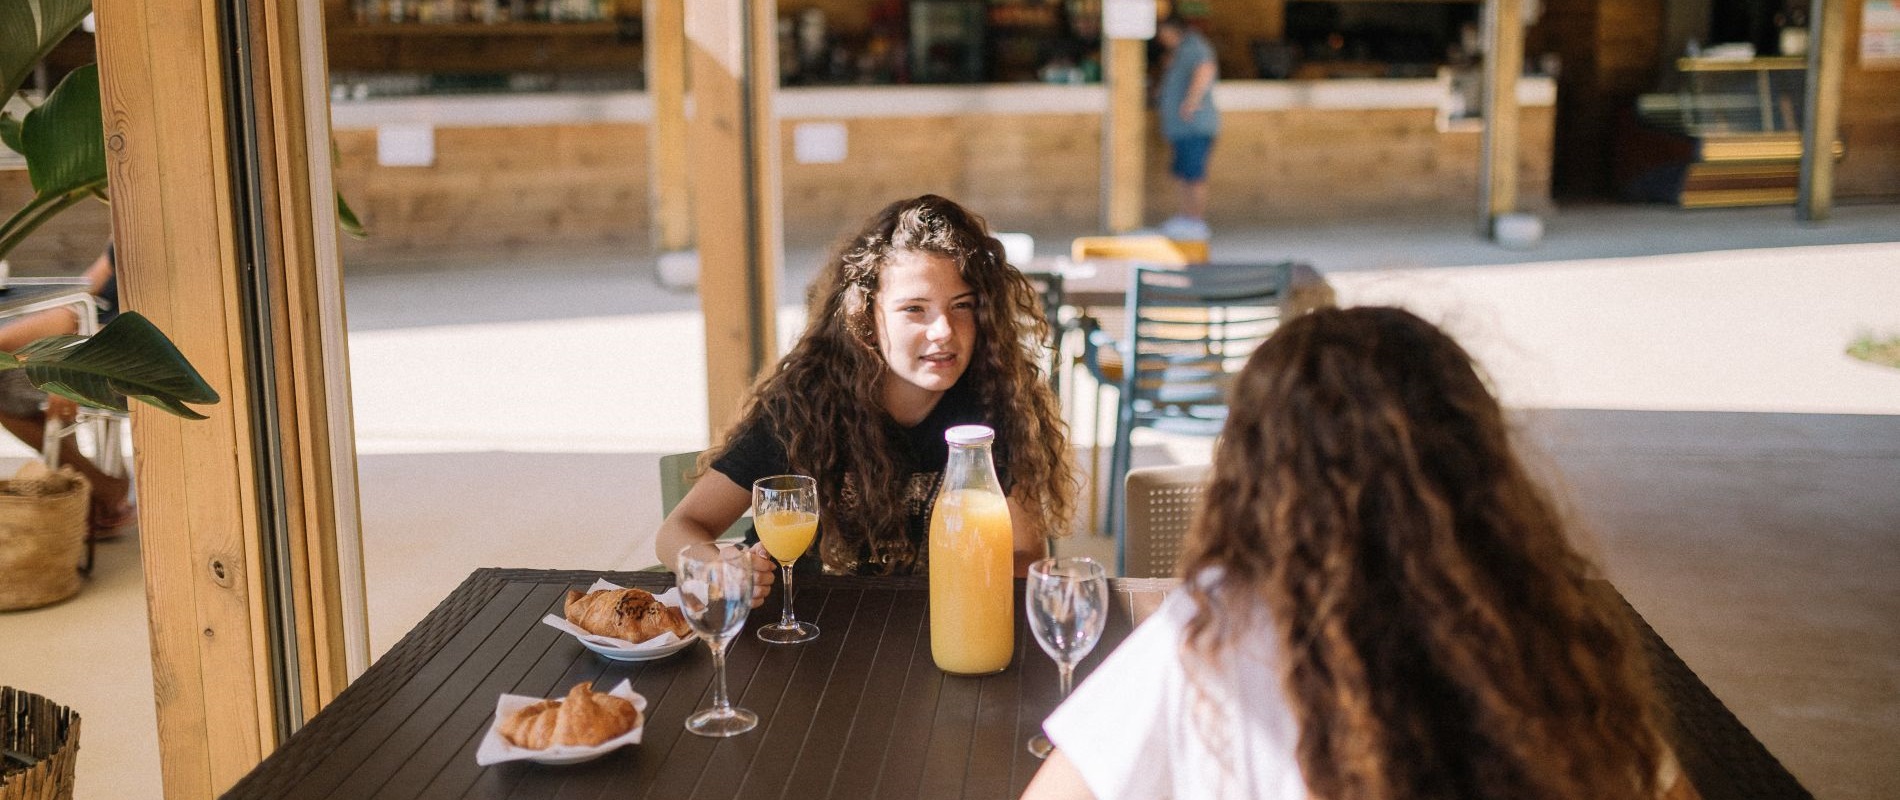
[[1018, 171], [500, 187], [1304, 165], [1870, 126]]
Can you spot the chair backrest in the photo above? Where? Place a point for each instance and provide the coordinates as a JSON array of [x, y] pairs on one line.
[[678, 472], [1147, 249], [1162, 502], [1189, 330]]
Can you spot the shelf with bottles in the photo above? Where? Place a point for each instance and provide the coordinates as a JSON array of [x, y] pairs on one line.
[[485, 17]]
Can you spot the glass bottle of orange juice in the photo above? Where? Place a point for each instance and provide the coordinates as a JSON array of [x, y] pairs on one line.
[[972, 583]]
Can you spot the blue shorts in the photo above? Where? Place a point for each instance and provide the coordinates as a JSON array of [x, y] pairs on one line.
[[1190, 157]]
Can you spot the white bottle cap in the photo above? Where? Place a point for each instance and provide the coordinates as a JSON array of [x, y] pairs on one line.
[[969, 434]]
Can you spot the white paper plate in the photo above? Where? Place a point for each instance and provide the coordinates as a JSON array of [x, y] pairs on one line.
[[496, 749], [609, 647]]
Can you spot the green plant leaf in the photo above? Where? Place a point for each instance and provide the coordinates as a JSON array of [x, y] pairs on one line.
[[129, 357], [64, 139], [346, 219], [29, 29]]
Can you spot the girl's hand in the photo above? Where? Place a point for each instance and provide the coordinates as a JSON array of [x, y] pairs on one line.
[[766, 575]]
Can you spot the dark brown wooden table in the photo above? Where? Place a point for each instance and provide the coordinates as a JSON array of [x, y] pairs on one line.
[[861, 713]]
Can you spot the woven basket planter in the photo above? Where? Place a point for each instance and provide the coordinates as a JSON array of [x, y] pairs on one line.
[[42, 539], [43, 732]]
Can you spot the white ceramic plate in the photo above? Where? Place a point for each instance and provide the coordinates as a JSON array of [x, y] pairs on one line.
[[495, 749], [614, 649]]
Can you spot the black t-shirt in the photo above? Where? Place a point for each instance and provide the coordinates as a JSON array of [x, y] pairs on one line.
[[757, 453]]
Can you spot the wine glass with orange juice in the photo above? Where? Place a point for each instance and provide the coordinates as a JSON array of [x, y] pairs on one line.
[[785, 514]]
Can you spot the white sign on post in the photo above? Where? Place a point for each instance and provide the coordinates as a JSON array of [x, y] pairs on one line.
[[819, 142], [405, 144], [1128, 19]]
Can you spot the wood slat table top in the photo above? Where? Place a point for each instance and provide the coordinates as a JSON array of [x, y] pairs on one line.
[[861, 713]]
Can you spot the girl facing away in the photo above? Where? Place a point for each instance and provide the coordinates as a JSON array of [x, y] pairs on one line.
[[917, 324], [1378, 602]]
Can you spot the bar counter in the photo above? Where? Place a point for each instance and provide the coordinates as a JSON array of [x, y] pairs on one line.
[[513, 168]]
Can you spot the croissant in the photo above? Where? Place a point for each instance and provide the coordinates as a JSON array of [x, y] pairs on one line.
[[584, 718], [630, 614]]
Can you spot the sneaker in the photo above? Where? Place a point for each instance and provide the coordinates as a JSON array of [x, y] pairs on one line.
[[1186, 229]]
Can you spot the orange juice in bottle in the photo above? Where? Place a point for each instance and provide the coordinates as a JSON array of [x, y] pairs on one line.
[[972, 580]]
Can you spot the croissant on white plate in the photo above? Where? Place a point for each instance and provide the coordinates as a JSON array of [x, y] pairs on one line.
[[631, 614], [584, 718]]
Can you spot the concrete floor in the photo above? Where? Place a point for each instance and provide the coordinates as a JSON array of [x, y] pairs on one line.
[[1734, 470]]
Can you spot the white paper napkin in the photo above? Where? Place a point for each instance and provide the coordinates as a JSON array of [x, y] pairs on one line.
[[496, 748], [670, 597]]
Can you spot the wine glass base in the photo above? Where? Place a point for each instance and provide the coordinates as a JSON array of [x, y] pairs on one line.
[[1040, 746], [788, 634], [721, 723]]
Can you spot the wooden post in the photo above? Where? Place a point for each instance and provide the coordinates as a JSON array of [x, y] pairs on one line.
[[269, 478], [1503, 62], [1124, 135], [1821, 119], [732, 46], [670, 191]]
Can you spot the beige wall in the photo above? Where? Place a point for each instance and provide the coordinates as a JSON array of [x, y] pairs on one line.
[[500, 187], [510, 186], [1309, 165], [1018, 171]]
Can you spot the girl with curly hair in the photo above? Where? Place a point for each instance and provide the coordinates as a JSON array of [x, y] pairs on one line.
[[1378, 603], [917, 324]]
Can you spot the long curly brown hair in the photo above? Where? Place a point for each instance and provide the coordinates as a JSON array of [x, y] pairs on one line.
[[823, 396], [1439, 637]]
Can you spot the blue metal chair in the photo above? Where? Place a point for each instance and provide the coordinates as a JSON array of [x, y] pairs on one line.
[[1188, 332]]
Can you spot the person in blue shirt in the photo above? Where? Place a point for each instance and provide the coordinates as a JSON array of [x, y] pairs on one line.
[[1185, 102]]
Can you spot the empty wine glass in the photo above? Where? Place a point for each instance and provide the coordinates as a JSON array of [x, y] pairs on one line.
[[1067, 600], [715, 583], [785, 514]]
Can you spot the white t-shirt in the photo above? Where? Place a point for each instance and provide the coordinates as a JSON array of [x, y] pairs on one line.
[[1140, 726]]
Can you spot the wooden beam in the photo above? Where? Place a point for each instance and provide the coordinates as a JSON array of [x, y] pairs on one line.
[[215, 502], [170, 176], [1125, 135], [1503, 62], [734, 150], [670, 191], [1827, 56]]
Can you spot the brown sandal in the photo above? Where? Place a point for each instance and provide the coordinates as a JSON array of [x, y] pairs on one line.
[[114, 523]]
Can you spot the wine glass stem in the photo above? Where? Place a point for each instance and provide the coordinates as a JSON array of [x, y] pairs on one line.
[[785, 617], [1066, 671], [719, 678]]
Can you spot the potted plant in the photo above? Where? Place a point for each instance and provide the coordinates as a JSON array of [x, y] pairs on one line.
[[62, 139]]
